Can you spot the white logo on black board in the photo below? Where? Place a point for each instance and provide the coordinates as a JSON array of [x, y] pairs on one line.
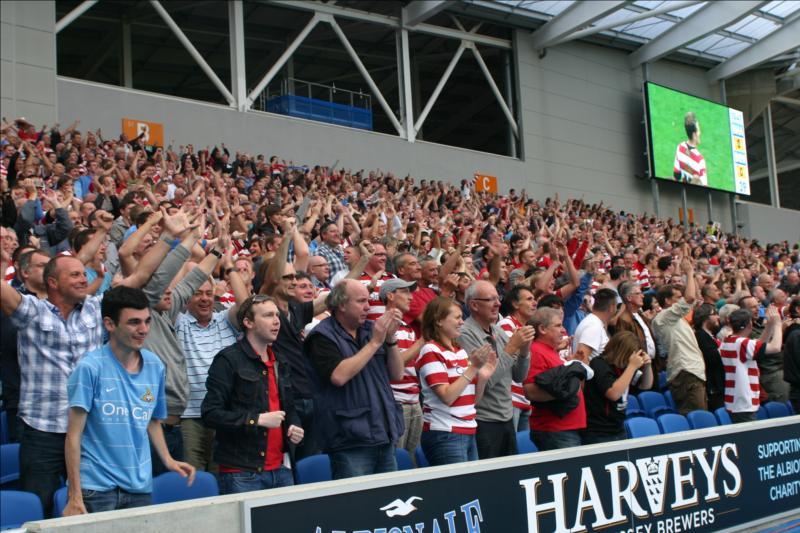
[[400, 507]]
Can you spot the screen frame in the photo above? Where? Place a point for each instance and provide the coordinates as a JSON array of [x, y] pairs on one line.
[[651, 162]]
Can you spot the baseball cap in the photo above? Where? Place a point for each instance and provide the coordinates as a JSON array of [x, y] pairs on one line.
[[391, 285]]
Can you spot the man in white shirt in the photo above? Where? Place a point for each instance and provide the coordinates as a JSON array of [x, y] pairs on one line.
[[591, 336]]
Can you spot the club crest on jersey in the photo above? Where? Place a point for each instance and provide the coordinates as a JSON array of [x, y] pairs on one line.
[[148, 396]]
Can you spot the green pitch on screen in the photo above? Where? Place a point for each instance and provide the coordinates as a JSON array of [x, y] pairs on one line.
[[667, 111]]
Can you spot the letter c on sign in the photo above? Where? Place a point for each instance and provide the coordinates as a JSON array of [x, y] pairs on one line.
[[485, 183]]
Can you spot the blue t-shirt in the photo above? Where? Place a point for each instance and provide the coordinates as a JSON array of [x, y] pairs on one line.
[[80, 187], [115, 450]]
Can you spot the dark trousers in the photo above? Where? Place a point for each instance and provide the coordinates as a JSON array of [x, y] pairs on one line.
[[174, 440], [308, 446], [496, 439], [42, 464], [738, 418]]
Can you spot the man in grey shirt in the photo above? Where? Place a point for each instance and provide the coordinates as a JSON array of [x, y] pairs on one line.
[[496, 436], [166, 302]]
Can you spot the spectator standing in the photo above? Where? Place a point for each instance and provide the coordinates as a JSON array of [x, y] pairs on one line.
[[357, 417], [331, 248], [202, 334], [591, 335], [631, 319], [686, 370], [705, 321], [116, 399], [739, 355], [452, 382], [249, 404], [518, 306], [548, 430], [621, 365], [496, 435], [397, 294]]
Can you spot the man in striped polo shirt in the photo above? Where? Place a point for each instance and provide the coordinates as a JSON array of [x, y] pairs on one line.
[[396, 294], [519, 306], [373, 277], [690, 165], [739, 355]]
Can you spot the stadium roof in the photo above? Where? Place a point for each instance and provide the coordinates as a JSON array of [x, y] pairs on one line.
[[729, 36]]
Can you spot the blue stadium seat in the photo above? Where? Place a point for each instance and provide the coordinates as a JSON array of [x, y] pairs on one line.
[[634, 409], [4, 437], [670, 400], [419, 455], [60, 499], [790, 407], [171, 487], [313, 469], [776, 409], [654, 403], [641, 427], [403, 459], [672, 423], [17, 507], [702, 419], [524, 443], [662, 380], [9, 464], [762, 413], [723, 417]]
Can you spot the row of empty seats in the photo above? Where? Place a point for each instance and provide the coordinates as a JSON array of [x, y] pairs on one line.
[[653, 404], [18, 507]]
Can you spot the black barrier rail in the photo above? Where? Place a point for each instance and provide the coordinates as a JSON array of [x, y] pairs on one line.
[[715, 479]]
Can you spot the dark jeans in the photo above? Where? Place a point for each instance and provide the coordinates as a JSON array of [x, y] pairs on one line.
[[738, 418], [174, 440], [596, 438], [555, 440], [445, 448], [496, 439], [363, 461], [308, 446], [236, 482], [42, 466], [97, 501]]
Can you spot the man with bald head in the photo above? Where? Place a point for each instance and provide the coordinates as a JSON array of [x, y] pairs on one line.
[[358, 421], [496, 435]]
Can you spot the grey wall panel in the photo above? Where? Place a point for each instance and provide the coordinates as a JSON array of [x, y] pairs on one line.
[[35, 47], [769, 224], [28, 60]]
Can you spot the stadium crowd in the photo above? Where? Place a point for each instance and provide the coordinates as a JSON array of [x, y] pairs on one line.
[[174, 308]]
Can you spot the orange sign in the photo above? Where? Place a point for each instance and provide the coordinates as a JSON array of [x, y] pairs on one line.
[[485, 183], [691, 215], [153, 131]]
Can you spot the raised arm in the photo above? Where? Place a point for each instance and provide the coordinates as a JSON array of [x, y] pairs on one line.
[[127, 262], [89, 250]]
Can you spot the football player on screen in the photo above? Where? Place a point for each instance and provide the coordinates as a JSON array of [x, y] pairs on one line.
[[690, 165]]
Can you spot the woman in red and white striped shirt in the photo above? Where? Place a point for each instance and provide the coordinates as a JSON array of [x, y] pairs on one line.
[[452, 381]]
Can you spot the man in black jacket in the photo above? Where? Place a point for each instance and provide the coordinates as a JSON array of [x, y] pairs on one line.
[[249, 403]]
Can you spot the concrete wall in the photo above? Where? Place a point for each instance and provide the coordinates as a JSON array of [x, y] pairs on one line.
[[768, 224], [582, 110], [28, 60]]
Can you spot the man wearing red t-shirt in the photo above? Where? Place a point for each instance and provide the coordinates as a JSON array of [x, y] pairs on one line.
[[549, 431], [250, 404]]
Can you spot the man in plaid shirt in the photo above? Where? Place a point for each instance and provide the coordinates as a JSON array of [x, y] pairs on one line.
[[331, 248]]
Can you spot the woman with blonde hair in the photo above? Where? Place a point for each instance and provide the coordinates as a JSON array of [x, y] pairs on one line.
[[452, 382], [621, 365]]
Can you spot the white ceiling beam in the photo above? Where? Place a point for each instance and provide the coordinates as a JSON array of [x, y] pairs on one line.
[[776, 43], [81, 8], [705, 21], [421, 10], [577, 16]]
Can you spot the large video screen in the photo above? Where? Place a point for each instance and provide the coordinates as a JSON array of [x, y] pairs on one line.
[[695, 141]]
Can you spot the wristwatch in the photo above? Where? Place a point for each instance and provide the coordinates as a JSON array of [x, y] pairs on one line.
[[216, 253], [232, 269]]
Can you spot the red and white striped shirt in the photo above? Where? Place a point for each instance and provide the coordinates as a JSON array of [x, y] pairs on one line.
[[689, 163], [407, 389], [436, 365], [509, 325], [742, 388], [10, 273], [376, 307]]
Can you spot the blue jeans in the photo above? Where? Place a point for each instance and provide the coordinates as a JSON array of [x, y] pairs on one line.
[[236, 482], [555, 440], [363, 461], [42, 466], [445, 448], [97, 501]]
